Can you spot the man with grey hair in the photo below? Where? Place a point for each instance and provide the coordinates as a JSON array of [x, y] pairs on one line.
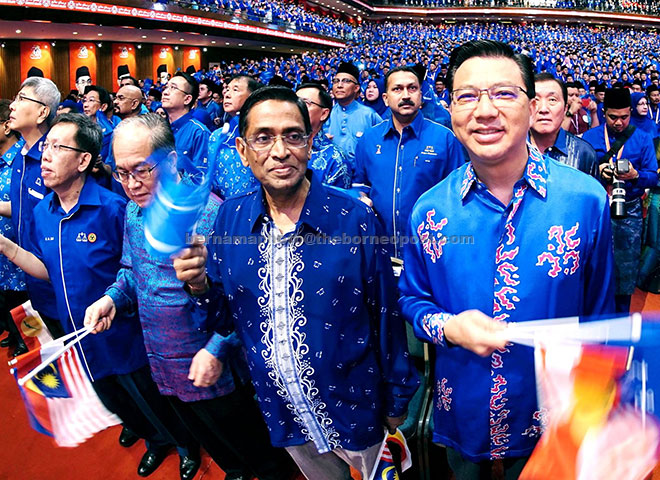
[[31, 114], [219, 409]]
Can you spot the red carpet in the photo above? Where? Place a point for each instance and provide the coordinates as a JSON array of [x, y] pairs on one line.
[[28, 455]]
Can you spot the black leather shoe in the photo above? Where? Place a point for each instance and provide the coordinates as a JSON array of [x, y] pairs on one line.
[[127, 438], [6, 342], [20, 349], [151, 460], [188, 467]]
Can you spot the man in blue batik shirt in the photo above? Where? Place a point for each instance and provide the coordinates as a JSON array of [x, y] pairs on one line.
[[192, 138], [349, 118], [497, 242], [231, 176], [401, 158], [325, 342], [326, 159]]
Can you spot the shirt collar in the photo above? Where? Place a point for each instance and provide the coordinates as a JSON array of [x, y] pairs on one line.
[[415, 127], [10, 155], [89, 195], [560, 143], [180, 122], [35, 152], [535, 175], [313, 214]]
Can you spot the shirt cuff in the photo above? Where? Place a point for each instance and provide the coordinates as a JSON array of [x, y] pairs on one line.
[[434, 324], [220, 346], [122, 301]]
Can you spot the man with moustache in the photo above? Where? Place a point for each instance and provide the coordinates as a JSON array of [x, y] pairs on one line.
[[511, 201], [546, 132], [128, 102], [402, 157]]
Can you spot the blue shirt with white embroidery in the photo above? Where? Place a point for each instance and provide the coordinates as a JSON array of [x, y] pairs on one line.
[[329, 163], [395, 169], [231, 177], [547, 254], [11, 277], [316, 309]]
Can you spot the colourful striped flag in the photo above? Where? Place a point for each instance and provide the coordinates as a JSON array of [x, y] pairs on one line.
[[59, 399], [31, 326], [389, 466]]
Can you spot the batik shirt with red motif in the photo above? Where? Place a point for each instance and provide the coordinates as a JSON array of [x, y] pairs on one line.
[[547, 254]]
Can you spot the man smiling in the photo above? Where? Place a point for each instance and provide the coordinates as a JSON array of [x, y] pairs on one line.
[[508, 208]]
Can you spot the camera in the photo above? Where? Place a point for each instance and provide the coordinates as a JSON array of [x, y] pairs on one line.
[[618, 202]]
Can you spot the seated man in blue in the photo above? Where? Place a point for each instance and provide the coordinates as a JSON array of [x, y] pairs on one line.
[[190, 135], [75, 242], [318, 316], [497, 242]]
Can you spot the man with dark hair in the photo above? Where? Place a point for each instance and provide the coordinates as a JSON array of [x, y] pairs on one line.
[[319, 320], [75, 243], [546, 133], [638, 172], [326, 159], [349, 118], [128, 80], [190, 135], [402, 157], [216, 406], [205, 101], [154, 96], [441, 92], [653, 94], [95, 105], [231, 176], [83, 80], [500, 225], [579, 119]]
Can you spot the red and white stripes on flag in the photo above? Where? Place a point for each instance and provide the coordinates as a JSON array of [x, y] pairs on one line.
[[31, 327]]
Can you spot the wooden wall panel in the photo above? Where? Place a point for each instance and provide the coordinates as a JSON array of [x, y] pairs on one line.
[[10, 69], [105, 76], [145, 61]]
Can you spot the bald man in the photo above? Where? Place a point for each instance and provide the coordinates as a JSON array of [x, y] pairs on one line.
[[128, 102]]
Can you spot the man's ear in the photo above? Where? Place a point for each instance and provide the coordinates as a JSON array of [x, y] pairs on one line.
[[84, 162], [43, 115], [384, 95], [241, 148]]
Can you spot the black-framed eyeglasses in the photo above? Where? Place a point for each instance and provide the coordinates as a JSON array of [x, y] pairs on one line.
[[21, 98], [499, 95], [57, 148], [170, 85], [140, 174], [264, 142], [309, 102], [344, 80]]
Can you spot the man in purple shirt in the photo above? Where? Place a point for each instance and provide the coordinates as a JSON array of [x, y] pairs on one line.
[[219, 409]]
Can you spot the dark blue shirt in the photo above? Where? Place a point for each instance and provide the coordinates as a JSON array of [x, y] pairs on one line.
[[26, 191], [574, 151], [394, 170], [316, 309], [547, 254], [639, 150], [191, 139], [81, 250]]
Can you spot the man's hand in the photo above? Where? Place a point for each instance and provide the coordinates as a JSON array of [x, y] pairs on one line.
[[190, 265], [100, 314], [592, 106], [366, 200], [631, 175], [606, 172], [575, 106], [475, 331], [205, 369], [392, 423]]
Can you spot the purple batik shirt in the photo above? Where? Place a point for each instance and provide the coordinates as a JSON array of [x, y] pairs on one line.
[[169, 316]]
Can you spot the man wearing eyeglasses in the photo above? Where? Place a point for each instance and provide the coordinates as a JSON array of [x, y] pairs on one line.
[[191, 136], [511, 236], [311, 295], [349, 119], [216, 406], [75, 242], [31, 114], [83, 80]]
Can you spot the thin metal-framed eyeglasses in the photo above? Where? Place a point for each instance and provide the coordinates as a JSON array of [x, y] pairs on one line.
[[309, 102], [57, 148], [499, 95], [170, 85], [139, 174], [344, 80], [20, 98], [264, 142]]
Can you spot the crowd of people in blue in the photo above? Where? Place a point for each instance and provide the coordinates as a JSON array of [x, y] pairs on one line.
[[476, 162]]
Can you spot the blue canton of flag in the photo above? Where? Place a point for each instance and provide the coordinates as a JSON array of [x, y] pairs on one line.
[[49, 383]]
